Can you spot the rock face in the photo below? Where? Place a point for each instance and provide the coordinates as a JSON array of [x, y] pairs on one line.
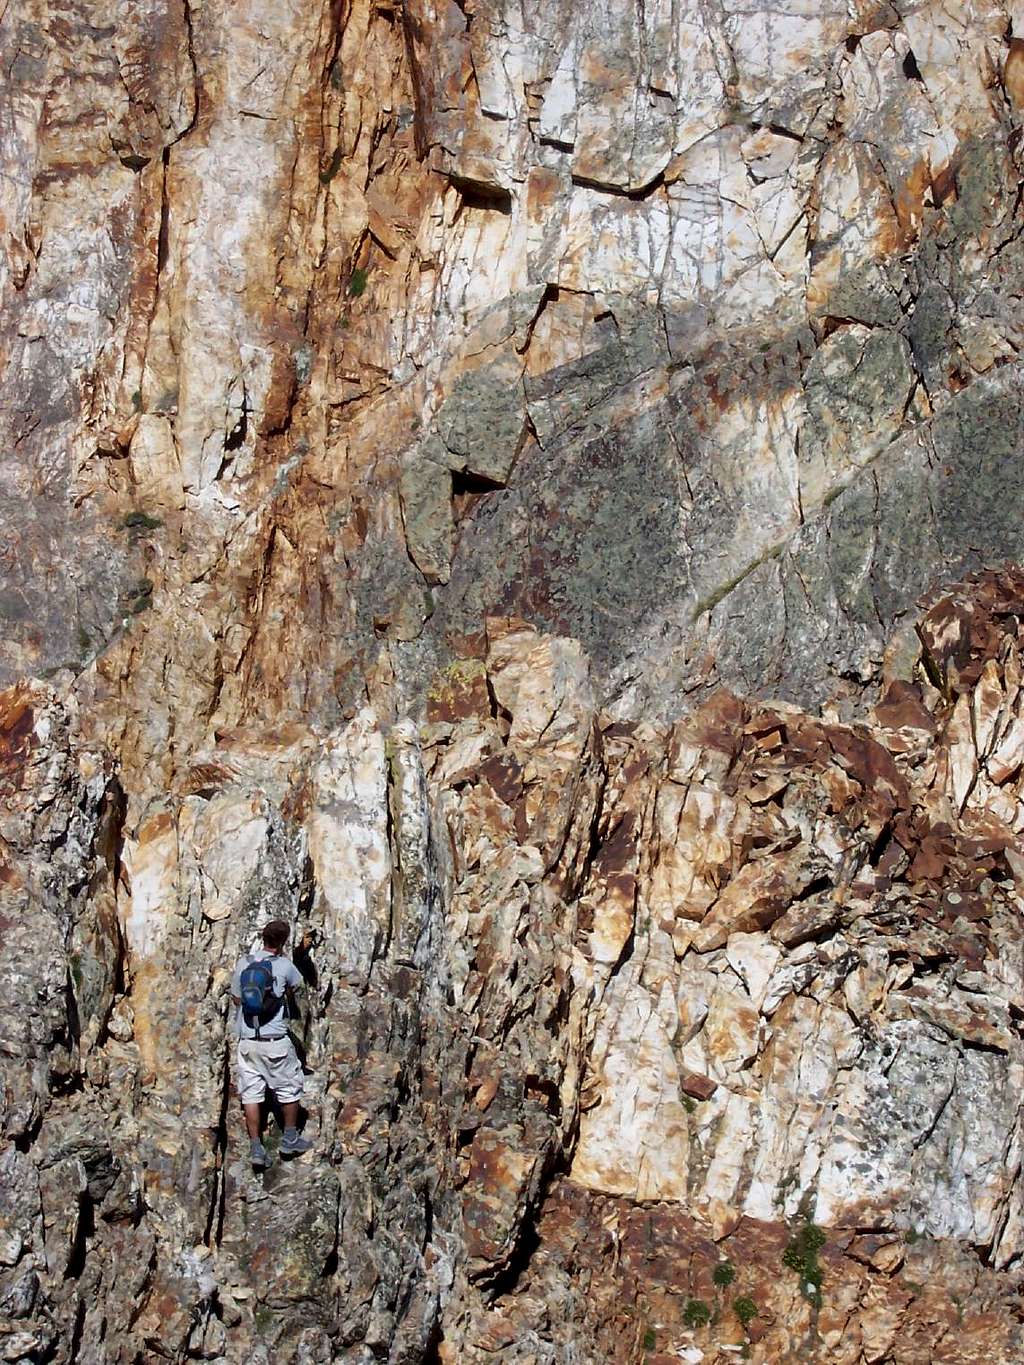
[[531, 495]]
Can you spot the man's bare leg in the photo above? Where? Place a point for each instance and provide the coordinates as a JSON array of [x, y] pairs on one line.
[[253, 1124], [252, 1120], [290, 1114]]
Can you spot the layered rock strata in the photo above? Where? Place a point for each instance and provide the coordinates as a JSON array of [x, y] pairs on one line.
[[486, 483]]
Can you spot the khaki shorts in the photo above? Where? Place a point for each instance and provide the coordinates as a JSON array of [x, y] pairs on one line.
[[268, 1065]]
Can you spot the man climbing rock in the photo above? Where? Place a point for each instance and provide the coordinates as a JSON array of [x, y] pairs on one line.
[[262, 987]]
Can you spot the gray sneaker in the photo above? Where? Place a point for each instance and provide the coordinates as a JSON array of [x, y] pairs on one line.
[[293, 1143], [258, 1154]]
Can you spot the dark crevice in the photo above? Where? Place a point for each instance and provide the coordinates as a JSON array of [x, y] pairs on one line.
[[816, 887], [507, 1279], [304, 963], [780, 131], [498, 712], [627, 948], [637, 195], [391, 801], [881, 843], [593, 837], [85, 1229], [477, 195], [910, 68], [109, 843], [236, 436], [465, 483], [550, 295], [975, 1044], [432, 1348], [830, 323], [71, 1084], [531, 428], [542, 1087], [165, 214], [215, 1220]]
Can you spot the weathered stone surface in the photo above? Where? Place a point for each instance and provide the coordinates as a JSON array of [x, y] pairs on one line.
[[498, 943], [529, 495]]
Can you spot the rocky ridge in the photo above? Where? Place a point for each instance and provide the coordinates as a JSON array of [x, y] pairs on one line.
[[486, 483]]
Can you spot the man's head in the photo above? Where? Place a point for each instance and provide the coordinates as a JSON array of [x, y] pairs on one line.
[[275, 935]]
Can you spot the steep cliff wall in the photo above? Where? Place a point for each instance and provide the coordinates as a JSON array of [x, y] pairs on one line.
[[530, 494]]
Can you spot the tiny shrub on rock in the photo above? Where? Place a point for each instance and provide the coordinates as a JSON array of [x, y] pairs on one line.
[[723, 1274], [746, 1310], [696, 1314], [801, 1255]]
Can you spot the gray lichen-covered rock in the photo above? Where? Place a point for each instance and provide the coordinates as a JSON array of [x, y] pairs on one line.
[[482, 422]]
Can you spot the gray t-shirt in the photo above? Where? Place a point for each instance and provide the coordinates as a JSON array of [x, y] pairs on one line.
[[285, 974]]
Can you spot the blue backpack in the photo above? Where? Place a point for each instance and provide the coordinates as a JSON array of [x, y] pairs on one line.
[[260, 1002]]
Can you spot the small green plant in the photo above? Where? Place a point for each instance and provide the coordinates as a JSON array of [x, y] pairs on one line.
[[696, 1313], [357, 282], [801, 1255], [140, 521], [332, 168], [650, 1339], [723, 1274], [263, 1317], [746, 1310], [137, 400], [689, 1104]]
